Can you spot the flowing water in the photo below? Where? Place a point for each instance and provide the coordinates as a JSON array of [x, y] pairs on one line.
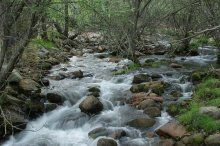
[[68, 126]]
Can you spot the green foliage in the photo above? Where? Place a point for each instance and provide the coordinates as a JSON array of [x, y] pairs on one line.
[[197, 122], [46, 44], [209, 89], [127, 69]]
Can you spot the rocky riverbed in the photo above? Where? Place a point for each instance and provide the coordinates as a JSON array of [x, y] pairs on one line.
[[81, 102]]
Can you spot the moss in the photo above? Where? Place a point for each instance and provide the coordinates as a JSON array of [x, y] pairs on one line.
[[127, 69]]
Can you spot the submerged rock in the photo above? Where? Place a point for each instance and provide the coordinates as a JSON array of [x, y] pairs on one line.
[[91, 105], [106, 142]]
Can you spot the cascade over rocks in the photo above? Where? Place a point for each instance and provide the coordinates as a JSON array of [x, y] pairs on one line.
[[91, 105]]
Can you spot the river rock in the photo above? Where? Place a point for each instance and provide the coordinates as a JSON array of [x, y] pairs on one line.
[[91, 105], [155, 77], [15, 77], [179, 143], [146, 103], [52, 61], [152, 112], [172, 129], [174, 65], [137, 98], [166, 142], [140, 78], [176, 94], [194, 140], [28, 86], [55, 98], [78, 74], [45, 66], [33, 109], [156, 86], [50, 106], [212, 111], [213, 140], [94, 89], [106, 142], [142, 122], [115, 134]]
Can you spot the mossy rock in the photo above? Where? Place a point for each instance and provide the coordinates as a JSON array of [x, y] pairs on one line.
[[156, 87]]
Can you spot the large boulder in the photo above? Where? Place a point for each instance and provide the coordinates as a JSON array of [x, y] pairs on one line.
[[142, 122], [28, 86], [172, 129], [211, 111], [156, 86], [213, 140], [106, 142], [55, 98], [140, 78], [91, 105]]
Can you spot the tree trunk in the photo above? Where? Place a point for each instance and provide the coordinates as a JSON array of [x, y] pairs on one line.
[[66, 25], [44, 28]]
